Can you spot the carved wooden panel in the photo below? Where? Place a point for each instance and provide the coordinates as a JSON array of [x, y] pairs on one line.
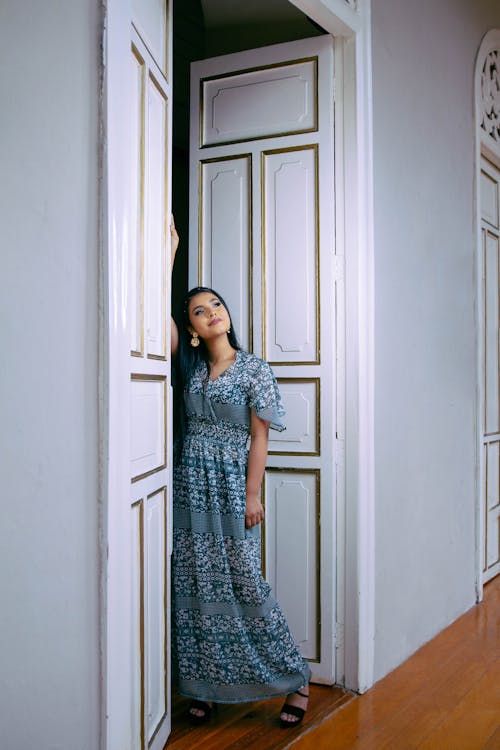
[[290, 222], [137, 205], [137, 593], [156, 219], [491, 333], [155, 625], [225, 237], [301, 401], [490, 96], [259, 103], [489, 199], [291, 499], [148, 425], [150, 20], [492, 509]]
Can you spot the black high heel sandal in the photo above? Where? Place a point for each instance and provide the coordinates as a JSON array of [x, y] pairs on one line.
[[299, 713]]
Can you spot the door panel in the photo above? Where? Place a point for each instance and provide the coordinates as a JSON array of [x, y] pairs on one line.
[[156, 145], [490, 227], [225, 257], [156, 591], [152, 20], [292, 513], [289, 208], [491, 268], [137, 569], [148, 415], [259, 102], [150, 386], [136, 214], [261, 224], [139, 527], [301, 398]]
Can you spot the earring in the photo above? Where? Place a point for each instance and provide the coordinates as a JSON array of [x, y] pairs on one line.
[[229, 330], [195, 341]]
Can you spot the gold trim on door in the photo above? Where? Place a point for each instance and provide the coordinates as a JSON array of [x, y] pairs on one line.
[[486, 234], [142, 149], [307, 147], [201, 281], [140, 505], [164, 67], [317, 473], [164, 96], [163, 490], [154, 378], [317, 452], [256, 69]]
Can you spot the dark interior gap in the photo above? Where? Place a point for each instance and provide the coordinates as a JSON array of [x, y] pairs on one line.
[[194, 39]]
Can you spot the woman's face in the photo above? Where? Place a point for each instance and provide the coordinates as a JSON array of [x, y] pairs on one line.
[[208, 316]]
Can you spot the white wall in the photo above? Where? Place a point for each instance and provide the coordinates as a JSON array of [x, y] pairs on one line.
[[423, 75], [49, 641]]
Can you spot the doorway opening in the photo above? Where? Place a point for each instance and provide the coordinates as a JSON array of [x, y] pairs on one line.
[[204, 29], [281, 171], [261, 180]]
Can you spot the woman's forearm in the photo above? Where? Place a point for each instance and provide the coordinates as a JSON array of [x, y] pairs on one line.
[[257, 455], [174, 337]]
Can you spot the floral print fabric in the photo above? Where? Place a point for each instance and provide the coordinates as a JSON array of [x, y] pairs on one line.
[[231, 642]]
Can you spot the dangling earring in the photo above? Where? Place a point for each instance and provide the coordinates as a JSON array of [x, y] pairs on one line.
[[195, 341], [229, 330]]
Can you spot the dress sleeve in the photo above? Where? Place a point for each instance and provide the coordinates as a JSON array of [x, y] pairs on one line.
[[265, 397]]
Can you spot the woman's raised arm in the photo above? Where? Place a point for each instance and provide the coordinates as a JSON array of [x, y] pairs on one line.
[[174, 333]]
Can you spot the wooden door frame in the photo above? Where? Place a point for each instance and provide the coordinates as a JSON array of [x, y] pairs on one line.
[[349, 22], [486, 147]]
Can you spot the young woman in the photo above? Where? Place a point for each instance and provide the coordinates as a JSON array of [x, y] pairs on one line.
[[231, 642]]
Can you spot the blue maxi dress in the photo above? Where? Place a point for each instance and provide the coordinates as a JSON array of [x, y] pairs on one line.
[[231, 642]]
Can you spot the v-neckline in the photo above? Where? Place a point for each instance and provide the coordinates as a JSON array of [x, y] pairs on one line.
[[223, 371]]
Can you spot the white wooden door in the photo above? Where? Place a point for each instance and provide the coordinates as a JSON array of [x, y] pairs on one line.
[[490, 228], [262, 234], [139, 527]]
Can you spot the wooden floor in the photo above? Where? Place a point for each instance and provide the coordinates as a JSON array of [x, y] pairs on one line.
[[250, 725], [445, 697]]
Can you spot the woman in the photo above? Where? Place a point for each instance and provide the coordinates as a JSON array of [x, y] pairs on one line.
[[231, 641]]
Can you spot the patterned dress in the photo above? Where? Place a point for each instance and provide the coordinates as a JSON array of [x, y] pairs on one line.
[[231, 642]]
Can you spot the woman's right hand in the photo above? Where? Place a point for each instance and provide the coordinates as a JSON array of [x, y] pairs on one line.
[[174, 240], [174, 333], [254, 511]]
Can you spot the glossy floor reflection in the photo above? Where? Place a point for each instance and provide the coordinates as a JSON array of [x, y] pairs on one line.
[[445, 697]]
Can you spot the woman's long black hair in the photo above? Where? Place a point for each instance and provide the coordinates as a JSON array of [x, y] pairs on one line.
[[188, 359]]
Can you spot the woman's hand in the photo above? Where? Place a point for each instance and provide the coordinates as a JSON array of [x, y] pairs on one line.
[[174, 333], [174, 240], [254, 512]]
